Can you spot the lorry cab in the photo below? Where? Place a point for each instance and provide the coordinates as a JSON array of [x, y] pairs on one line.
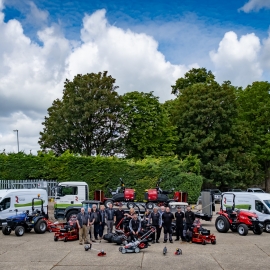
[[17, 201], [69, 194], [258, 203]]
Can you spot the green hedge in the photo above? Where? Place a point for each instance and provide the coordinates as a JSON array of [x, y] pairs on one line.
[[103, 172]]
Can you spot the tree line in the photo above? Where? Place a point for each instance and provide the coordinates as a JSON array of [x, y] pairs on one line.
[[225, 126]]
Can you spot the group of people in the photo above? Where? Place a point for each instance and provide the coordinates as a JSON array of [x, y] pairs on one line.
[[91, 224]]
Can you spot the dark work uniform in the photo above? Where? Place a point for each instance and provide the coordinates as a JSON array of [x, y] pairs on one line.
[[134, 226], [187, 232], [156, 221], [102, 222], [179, 224], [119, 214], [167, 218], [96, 215]]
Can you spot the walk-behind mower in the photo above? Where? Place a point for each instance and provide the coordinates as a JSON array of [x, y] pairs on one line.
[[138, 244], [237, 220], [25, 222], [202, 236], [122, 194], [70, 231]]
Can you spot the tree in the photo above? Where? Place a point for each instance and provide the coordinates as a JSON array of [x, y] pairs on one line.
[[195, 75], [86, 120], [255, 110], [149, 131], [206, 118]]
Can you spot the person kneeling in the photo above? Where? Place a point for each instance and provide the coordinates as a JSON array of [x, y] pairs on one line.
[[135, 227]]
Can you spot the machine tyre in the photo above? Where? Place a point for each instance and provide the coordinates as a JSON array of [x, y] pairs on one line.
[[70, 213], [107, 202], [55, 238], [203, 242], [40, 227], [65, 239], [130, 205], [150, 205], [242, 229], [19, 230], [222, 224], [137, 250], [267, 227], [120, 249], [6, 230], [258, 231], [213, 242], [123, 251]]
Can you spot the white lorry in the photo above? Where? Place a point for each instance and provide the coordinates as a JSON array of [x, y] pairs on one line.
[[67, 196], [16, 201], [258, 203]]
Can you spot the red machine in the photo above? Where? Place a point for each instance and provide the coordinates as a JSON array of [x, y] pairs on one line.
[[54, 226], [122, 194], [238, 221], [69, 232], [202, 236]]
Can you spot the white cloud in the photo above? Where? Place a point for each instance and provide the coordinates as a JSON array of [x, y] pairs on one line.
[[237, 60], [255, 5]]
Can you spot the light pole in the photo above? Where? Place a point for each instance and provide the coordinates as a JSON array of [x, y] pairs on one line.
[[16, 130]]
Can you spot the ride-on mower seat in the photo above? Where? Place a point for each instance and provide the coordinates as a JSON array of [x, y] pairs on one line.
[[67, 228], [205, 232], [230, 213]]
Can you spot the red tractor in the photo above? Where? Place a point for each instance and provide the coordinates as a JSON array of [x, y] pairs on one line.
[[237, 220], [158, 196], [122, 194]]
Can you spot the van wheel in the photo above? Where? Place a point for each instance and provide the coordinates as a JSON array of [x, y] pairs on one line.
[[19, 230], [6, 230], [242, 229], [40, 226], [267, 227], [222, 224]]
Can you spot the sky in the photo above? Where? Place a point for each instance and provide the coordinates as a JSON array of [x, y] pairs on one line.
[[145, 45]]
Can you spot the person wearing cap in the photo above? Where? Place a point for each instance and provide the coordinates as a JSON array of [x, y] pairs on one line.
[[179, 218], [118, 216]]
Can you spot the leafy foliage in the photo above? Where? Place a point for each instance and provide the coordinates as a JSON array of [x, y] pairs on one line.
[[103, 172], [86, 120]]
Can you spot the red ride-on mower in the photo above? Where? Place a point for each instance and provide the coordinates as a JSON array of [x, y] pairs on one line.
[[122, 194], [237, 220], [202, 236], [157, 196], [70, 231]]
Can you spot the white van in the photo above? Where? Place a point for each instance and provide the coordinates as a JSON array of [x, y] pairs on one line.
[[258, 203], [14, 201]]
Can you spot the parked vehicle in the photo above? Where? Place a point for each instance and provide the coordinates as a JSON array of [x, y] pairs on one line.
[[122, 194], [255, 190], [235, 190], [18, 201], [237, 220], [215, 192], [258, 203], [25, 222]]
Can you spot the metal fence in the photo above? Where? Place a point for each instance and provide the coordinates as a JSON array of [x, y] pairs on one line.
[[29, 184]]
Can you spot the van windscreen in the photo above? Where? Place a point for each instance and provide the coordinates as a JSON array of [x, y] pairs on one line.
[[267, 202]]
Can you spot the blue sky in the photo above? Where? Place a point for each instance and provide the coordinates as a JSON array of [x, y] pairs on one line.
[[145, 45]]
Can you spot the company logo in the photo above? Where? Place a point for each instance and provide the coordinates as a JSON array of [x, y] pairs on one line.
[[225, 200], [76, 198], [16, 199]]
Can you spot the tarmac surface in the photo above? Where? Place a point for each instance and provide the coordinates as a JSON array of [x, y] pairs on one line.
[[34, 251]]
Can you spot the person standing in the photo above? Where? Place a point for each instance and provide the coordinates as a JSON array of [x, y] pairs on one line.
[[167, 218], [91, 225], [83, 224], [156, 221], [179, 217], [102, 221], [110, 213], [135, 227], [96, 217], [189, 218], [119, 215]]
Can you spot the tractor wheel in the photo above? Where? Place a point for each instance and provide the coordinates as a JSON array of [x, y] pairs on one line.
[[213, 242], [70, 213], [6, 230], [267, 227], [258, 231], [150, 205], [242, 229], [130, 205], [19, 230], [107, 202], [55, 238], [222, 224], [40, 226]]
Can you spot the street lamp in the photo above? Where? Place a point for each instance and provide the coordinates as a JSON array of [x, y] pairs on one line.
[[16, 130]]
